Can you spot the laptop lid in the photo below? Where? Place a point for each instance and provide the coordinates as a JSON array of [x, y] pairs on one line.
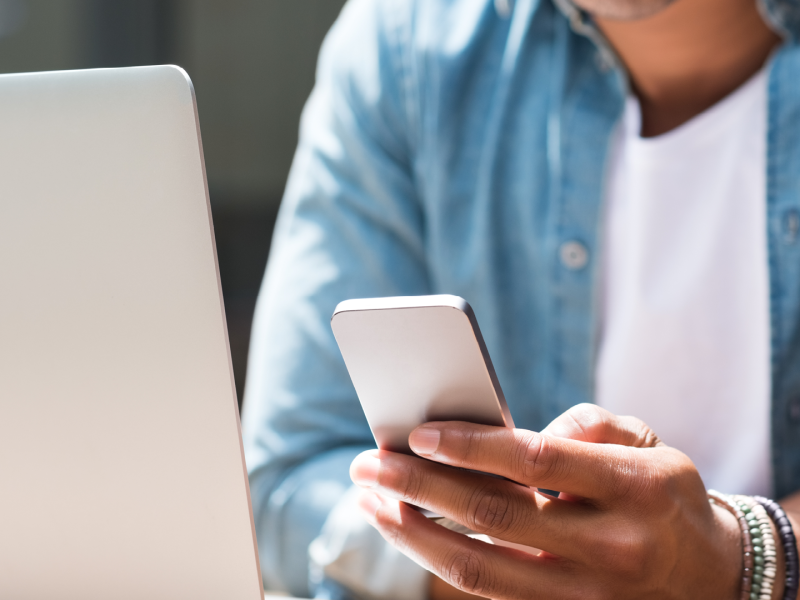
[[121, 466]]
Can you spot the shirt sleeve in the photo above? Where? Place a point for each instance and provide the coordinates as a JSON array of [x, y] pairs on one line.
[[352, 554], [350, 226]]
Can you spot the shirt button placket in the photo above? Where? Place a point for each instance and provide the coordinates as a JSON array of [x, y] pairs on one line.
[[574, 255]]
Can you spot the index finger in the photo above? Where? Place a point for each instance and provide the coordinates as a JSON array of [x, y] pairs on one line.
[[597, 471]]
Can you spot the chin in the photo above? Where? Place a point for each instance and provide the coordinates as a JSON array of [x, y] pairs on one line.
[[623, 10]]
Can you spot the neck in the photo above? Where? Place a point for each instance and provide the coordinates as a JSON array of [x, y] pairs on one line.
[[689, 56]]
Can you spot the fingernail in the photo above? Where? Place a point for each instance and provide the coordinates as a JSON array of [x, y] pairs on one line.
[[364, 470], [424, 440], [369, 502]]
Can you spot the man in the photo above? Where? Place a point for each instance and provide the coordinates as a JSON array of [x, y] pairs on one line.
[[615, 188]]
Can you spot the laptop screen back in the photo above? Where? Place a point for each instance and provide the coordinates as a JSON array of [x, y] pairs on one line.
[[120, 455]]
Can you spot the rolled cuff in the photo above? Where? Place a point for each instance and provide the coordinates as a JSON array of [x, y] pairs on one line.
[[352, 552]]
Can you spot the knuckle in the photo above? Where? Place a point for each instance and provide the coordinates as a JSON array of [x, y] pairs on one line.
[[630, 477], [413, 485], [472, 445], [643, 436], [648, 439], [684, 467], [491, 511], [589, 419], [389, 529], [634, 557], [677, 478], [392, 533], [536, 460], [466, 571], [659, 483], [587, 413], [658, 486], [626, 553]]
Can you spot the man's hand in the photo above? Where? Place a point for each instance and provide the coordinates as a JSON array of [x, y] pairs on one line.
[[632, 520]]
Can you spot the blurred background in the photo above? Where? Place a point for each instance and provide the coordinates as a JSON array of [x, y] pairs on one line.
[[252, 63]]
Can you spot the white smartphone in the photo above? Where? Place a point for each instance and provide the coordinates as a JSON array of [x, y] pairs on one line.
[[415, 359]]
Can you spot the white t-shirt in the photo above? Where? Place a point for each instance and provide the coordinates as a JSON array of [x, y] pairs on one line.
[[684, 340]]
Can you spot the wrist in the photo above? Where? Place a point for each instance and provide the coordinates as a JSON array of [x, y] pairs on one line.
[[731, 545]]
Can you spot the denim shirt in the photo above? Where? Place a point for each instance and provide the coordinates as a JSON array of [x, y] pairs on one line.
[[460, 147]]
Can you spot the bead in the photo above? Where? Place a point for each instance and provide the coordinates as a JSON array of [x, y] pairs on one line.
[[755, 516]]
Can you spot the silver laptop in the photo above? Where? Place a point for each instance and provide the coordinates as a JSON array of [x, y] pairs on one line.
[[122, 474]]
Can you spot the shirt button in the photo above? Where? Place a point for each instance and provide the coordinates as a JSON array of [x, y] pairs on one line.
[[574, 255], [794, 410], [791, 225]]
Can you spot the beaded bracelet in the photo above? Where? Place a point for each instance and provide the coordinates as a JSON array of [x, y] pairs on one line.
[[728, 504], [789, 543], [765, 556]]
